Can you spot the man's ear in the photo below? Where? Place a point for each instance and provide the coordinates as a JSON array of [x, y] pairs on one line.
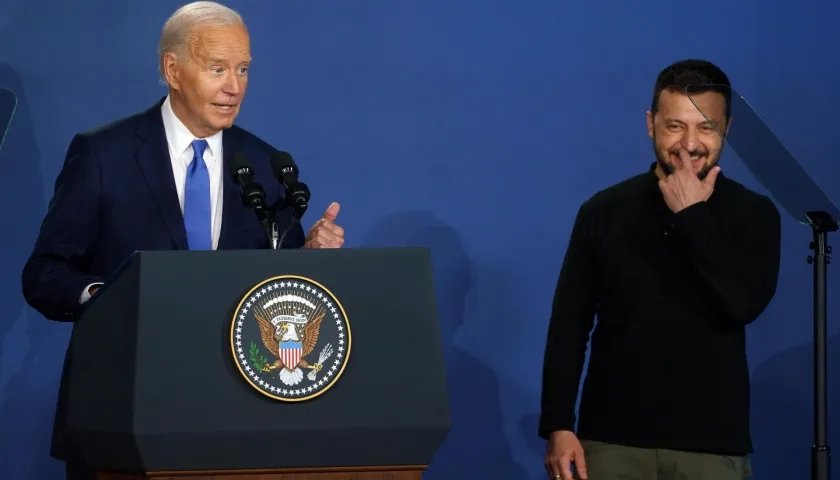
[[171, 71], [649, 118]]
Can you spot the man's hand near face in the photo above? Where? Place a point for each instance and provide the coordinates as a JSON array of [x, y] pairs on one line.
[[683, 189]]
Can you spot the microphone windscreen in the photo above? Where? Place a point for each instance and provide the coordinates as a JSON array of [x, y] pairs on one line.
[[238, 161], [280, 161]]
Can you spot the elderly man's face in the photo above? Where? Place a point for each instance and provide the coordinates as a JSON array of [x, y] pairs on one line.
[[209, 85]]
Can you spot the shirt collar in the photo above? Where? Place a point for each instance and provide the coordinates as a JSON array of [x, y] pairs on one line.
[[179, 137]]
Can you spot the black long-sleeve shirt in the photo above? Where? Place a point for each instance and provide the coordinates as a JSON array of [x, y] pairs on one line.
[[673, 294]]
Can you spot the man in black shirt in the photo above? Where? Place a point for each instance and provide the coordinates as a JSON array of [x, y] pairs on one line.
[[675, 262]]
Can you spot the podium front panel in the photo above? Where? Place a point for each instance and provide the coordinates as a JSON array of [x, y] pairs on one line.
[[193, 407]]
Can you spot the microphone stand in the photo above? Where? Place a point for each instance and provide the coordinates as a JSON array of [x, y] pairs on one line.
[[292, 223], [267, 218], [273, 227], [821, 224], [252, 195], [274, 231]]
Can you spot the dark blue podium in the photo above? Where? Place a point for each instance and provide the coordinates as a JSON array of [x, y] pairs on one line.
[[292, 364]]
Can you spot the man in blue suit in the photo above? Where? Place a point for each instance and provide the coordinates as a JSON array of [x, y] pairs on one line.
[[157, 181]]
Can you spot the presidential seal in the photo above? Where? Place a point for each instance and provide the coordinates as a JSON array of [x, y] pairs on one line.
[[290, 338]]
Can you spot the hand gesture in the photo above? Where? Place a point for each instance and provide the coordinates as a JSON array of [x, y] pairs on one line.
[[683, 189], [564, 449], [325, 233]]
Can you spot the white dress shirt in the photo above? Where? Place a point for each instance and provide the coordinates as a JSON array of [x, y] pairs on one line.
[[179, 140]]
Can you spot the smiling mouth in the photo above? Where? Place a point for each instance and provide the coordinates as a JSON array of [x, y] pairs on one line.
[[224, 107], [692, 158]]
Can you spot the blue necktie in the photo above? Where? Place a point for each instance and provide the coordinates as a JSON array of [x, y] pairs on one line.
[[197, 201]]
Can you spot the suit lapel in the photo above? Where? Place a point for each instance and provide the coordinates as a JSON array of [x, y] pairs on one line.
[[230, 191], [152, 157]]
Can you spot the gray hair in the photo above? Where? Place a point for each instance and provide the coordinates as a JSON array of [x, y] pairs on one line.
[[177, 30]]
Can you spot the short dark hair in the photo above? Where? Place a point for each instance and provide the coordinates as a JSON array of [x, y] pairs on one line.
[[701, 75]]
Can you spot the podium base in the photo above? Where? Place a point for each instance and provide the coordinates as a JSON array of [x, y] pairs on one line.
[[413, 472]]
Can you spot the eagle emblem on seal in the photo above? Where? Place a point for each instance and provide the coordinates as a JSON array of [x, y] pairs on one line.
[[290, 338]]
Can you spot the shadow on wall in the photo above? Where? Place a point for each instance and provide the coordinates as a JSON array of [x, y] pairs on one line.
[[476, 446], [31, 349], [783, 409], [528, 426]]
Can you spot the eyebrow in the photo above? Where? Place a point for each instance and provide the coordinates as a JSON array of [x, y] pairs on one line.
[[706, 121], [221, 60]]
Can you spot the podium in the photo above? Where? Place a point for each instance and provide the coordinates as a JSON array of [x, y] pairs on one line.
[[259, 364]]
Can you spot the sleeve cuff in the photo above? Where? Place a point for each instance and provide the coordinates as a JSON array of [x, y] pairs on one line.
[[547, 428]]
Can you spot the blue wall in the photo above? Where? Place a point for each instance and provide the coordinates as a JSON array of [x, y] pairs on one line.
[[421, 118]]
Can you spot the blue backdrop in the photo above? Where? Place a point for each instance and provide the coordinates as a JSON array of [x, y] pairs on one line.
[[421, 118]]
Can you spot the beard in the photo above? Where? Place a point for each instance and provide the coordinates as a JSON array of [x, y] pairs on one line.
[[663, 160]]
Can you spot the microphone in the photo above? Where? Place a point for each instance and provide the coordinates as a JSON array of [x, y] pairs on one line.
[[286, 172], [253, 196], [251, 192], [297, 193]]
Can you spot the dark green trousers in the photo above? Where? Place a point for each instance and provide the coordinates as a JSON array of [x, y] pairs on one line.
[[605, 461]]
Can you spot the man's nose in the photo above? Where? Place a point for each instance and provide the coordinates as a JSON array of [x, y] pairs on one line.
[[690, 140], [232, 85]]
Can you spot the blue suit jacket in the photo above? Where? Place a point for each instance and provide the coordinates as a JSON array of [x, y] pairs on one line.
[[116, 195]]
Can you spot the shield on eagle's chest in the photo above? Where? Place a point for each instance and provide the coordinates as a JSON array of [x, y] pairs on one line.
[[290, 353]]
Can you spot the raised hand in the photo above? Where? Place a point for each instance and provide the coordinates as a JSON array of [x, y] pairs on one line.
[[683, 189], [325, 233]]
